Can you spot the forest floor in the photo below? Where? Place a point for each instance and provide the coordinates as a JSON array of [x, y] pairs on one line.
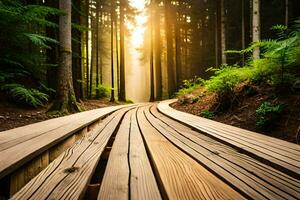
[[13, 116], [242, 113]]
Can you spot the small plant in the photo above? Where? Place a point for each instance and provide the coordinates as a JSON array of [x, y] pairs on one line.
[[102, 91], [189, 86], [207, 114], [195, 99], [267, 113], [22, 94]]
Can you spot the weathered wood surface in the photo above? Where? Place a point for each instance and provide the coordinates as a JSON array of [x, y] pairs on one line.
[[179, 175], [156, 157], [249, 176], [69, 175], [25, 143], [282, 155], [129, 174]]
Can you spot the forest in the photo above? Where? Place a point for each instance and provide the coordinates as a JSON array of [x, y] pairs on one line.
[[211, 55]]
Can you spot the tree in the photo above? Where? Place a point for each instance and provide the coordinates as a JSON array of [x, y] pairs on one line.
[[256, 26], [170, 56], [223, 31], [151, 54], [157, 49], [122, 96], [112, 15], [65, 101]]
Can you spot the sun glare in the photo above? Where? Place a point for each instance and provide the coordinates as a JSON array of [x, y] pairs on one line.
[[137, 27]]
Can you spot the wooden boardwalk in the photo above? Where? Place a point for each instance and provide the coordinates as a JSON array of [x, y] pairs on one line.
[[145, 151]]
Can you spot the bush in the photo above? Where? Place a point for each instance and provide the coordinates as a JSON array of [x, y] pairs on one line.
[[21, 94], [207, 114], [103, 91], [227, 77], [189, 86], [267, 113]]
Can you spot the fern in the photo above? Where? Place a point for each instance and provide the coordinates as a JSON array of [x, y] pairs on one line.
[[22, 94]]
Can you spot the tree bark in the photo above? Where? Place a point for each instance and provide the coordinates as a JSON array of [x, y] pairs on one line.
[[243, 31], [65, 101], [287, 13], [112, 10], [157, 47], [151, 54], [97, 46], [256, 26], [87, 47], [170, 56], [223, 31], [76, 49], [122, 96]]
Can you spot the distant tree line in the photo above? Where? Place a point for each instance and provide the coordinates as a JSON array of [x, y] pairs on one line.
[[63, 50]]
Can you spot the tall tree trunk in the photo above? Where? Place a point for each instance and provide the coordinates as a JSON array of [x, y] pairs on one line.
[[112, 96], [53, 53], [217, 48], [117, 55], [92, 55], [223, 31], [87, 46], [287, 12], [178, 52], [243, 31], [97, 47], [151, 54], [170, 56], [65, 101], [77, 54], [122, 96], [157, 46], [256, 26]]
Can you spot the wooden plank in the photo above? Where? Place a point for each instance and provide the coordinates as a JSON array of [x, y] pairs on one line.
[[19, 178], [67, 177], [128, 173], [142, 182], [115, 183], [276, 158], [180, 176], [22, 151], [237, 169], [165, 108]]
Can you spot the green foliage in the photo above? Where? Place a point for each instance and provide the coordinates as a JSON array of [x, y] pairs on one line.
[[23, 50], [195, 99], [267, 113], [207, 114], [280, 59], [21, 94], [227, 77], [103, 90], [189, 86]]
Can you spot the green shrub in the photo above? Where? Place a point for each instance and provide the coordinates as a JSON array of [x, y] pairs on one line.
[[189, 86], [29, 96], [195, 99], [207, 114], [227, 77], [267, 113], [103, 90]]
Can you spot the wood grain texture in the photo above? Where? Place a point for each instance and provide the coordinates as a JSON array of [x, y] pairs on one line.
[[128, 173], [19, 146], [180, 175], [252, 178], [282, 155], [67, 176], [115, 183], [142, 181]]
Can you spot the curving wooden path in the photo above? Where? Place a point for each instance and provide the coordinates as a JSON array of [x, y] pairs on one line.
[[151, 151]]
